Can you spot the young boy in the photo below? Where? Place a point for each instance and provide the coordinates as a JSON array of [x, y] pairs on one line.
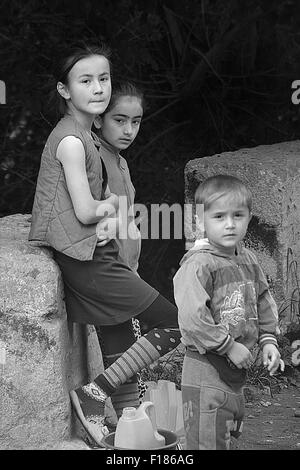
[[225, 308]]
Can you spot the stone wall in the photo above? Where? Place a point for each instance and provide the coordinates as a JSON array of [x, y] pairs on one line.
[[272, 172], [42, 356]]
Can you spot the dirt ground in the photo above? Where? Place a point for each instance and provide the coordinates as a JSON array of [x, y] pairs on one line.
[[271, 422]]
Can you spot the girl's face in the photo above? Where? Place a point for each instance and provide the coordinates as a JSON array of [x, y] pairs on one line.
[[89, 87], [120, 125]]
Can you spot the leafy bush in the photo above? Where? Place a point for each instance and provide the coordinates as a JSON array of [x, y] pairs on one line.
[[217, 77]]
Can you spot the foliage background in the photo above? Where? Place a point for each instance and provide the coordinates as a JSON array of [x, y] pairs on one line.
[[217, 76]]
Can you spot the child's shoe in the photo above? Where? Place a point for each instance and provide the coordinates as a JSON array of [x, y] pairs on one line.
[[89, 404]]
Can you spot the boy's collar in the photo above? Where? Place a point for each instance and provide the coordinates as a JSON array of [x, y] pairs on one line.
[[204, 244]]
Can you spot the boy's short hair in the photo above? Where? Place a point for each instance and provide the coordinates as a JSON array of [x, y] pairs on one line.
[[217, 186]]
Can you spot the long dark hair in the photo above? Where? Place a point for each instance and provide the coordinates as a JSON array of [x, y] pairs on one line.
[[66, 60], [121, 89]]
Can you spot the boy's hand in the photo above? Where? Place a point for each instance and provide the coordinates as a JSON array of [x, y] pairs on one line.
[[240, 356], [271, 358]]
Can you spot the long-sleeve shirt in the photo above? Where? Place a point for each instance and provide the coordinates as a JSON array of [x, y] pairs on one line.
[[222, 298]]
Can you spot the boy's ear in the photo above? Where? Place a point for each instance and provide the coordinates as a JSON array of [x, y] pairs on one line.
[[63, 90], [250, 216]]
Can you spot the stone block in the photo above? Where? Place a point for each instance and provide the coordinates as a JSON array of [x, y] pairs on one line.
[[272, 172], [42, 356]]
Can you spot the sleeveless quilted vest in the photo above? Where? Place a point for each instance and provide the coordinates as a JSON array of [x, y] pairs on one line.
[[54, 222]]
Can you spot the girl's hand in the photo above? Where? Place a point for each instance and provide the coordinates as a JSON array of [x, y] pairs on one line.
[[240, 356], [107, 229], [271, 358], [113, 199], [103, 241], [108, 207]]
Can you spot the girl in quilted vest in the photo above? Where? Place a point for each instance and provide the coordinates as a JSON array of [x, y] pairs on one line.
[[72, 199]]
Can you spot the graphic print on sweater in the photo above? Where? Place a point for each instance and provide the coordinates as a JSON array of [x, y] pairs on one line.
[[233, 311]]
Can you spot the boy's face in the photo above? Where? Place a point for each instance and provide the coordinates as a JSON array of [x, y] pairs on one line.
[[226, 222], [121, 124]]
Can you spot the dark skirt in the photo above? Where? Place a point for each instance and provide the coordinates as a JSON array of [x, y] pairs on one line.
[[103, 291]]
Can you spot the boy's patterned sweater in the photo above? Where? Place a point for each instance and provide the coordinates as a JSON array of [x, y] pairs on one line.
[[222, 298]]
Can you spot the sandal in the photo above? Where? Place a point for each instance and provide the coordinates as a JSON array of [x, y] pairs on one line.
[[89, 403]]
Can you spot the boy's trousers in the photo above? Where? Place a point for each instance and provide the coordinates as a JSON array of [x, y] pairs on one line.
[[212, 410]]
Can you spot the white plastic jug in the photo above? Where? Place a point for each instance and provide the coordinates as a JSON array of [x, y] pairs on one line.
[[167, 403], [136, 428]]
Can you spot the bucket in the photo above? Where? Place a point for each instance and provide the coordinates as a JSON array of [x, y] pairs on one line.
[[172, 441]]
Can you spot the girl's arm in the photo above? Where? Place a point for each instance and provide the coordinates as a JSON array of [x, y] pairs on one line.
[[71, 154]]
